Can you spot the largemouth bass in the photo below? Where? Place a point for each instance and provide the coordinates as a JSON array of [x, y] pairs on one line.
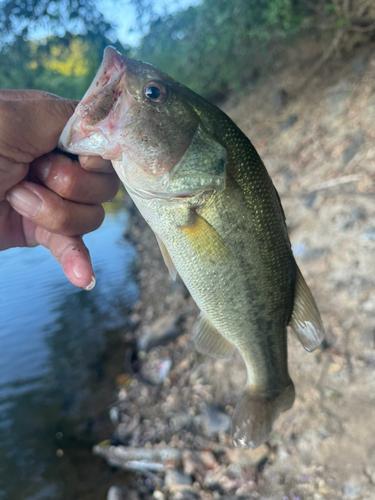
[[203, 189]]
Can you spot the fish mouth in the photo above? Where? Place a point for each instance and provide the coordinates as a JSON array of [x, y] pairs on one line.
[[95, 121]]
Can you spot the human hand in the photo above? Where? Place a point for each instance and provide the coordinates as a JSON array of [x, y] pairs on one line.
[[61, 198]]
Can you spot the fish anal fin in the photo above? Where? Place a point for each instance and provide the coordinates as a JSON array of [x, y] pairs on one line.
[[209, 341], [167, 258], [306, 323], [255, 414]]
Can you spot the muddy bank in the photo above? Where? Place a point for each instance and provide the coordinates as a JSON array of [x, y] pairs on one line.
[[172, 416]]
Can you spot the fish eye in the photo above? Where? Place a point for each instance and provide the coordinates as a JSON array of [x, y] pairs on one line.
[[155, 92]]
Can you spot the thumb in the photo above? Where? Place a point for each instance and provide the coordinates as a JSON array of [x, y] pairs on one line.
[[31, 123]]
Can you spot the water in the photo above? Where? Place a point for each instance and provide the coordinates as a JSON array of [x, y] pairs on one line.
[[60, 350]]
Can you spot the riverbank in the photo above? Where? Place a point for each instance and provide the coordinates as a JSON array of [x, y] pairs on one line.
[[172, 416]]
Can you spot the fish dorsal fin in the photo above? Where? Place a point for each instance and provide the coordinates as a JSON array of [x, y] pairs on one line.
[[167, 259], [209, 341], [306, 323]]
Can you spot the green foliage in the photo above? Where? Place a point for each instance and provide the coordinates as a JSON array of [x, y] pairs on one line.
[[63, 63], [216, 46], [219, 44], [24, 18], [63, 66]]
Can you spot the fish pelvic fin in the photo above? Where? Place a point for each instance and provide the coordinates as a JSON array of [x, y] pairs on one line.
[[209, 341], [255, 414], [167, 258], [305, 322]]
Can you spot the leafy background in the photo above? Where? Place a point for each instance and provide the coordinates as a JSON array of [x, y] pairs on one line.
[[214, 47]]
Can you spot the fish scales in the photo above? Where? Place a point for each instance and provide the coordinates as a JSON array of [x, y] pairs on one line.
[[201, 186]]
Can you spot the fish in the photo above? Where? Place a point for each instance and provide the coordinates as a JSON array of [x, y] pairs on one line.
[[201, 186]]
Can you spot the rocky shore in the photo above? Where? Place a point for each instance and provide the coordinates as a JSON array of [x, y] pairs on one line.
[[173, 410]]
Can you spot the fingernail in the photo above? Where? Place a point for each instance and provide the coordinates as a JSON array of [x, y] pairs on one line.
[[77, 271], [85, 160], [24, 201], [92, 284], [96, 163], [42, 167]]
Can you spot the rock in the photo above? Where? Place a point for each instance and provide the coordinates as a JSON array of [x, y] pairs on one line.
[[307, 254], [174, 477], [351, 150], [357, 215], [309, 199], [369, 234], [191, 463], [360, 63], [336, 96], [215, 421], [313, 254], [217, 479], [299, 249], [208, 459], [351, 489], [180, 421], [369, 305], [280, 99], [164, 368], [125, 429], [248, 458], [370, 474], [288, 123], [185, 494], [118, 493], [246, 489], [162, 331], [114, 415], [158, 495]]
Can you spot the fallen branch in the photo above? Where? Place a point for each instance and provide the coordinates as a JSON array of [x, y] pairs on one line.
[[345, 179], [327, 54], [138, 459]]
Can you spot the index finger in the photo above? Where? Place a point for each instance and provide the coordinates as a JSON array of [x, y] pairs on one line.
[[16, 94], [31, 126]]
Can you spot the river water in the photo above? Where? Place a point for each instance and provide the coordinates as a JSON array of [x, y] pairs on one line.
[[60, 351]]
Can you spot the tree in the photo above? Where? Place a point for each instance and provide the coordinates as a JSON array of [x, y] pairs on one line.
[[219, 44], [65, 61]]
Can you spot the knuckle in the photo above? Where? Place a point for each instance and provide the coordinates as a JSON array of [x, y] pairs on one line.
[[66, 185], [98, 215]]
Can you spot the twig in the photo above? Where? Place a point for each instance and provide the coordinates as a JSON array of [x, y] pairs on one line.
[[361, 30], [139, 459], [345, 179], [321, 61]]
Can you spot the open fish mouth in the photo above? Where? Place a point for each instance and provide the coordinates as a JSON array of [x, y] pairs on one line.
[[106, 103]]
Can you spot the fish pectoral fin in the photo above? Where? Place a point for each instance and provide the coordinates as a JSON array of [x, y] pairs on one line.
[[306, 323], [167, 259], [209, 341], [206, 241]]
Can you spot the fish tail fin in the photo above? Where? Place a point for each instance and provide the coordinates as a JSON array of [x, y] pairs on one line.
[[255, 414]]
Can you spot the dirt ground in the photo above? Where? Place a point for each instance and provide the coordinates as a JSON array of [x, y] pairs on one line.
[[320, 152]]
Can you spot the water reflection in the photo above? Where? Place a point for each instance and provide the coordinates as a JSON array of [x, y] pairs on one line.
[[53, 366]]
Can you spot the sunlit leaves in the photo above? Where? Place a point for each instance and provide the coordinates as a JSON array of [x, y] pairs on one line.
[[69, 60]]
